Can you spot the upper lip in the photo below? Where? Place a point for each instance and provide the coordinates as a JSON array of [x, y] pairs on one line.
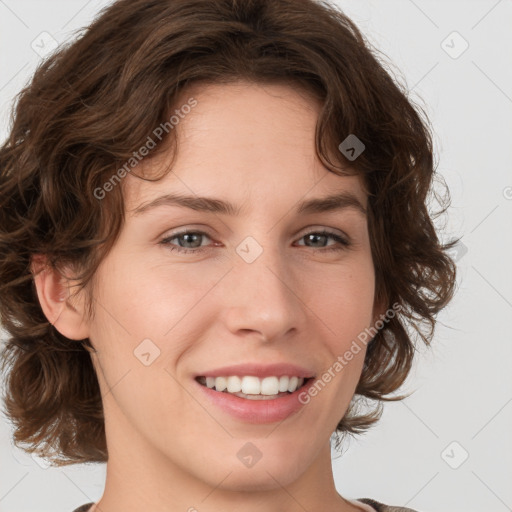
[[260, 370]]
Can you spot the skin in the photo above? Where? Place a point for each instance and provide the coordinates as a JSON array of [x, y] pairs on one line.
[[170, 449]]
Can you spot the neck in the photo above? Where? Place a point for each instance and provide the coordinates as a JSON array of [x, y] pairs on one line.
[[138, 478], [142, 476]]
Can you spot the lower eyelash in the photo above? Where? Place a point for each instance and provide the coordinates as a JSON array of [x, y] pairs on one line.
[[166, 242]]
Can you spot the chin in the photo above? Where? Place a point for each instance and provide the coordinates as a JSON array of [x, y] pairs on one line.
[[263, 475]]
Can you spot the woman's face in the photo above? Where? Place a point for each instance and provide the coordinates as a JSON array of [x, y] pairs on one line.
[[261, 286]]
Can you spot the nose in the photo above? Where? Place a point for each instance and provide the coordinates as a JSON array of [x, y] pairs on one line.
[[263, 297]]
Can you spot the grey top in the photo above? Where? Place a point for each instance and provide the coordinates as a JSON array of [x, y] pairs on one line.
[[84, 508]]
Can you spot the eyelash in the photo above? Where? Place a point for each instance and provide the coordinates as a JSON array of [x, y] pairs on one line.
[[166, 241]]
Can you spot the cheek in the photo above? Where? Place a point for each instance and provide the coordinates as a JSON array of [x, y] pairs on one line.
[[171, 306], [138, 300], [344, 299]]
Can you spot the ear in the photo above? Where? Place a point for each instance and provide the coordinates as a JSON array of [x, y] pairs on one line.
[[54, 293]]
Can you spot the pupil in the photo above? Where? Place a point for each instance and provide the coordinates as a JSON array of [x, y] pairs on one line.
[[314, 236], [189, 235]]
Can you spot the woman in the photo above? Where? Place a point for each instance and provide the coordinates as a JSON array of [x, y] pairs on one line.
[[214, 244]]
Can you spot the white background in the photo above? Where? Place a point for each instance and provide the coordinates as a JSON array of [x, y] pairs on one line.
[[462, 385]]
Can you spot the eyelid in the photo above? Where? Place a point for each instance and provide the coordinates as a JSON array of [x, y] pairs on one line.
[[205, 230], [321, 227], [342, 241]]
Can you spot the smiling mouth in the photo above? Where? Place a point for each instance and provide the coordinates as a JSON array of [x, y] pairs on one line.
[[253, 388]]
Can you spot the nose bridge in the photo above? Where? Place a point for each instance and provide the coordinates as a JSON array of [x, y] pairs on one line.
[[261, 296]]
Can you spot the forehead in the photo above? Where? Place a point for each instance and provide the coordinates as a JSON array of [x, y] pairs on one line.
[[242, 140]]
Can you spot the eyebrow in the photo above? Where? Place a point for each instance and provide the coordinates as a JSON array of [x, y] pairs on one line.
[[336, 202]]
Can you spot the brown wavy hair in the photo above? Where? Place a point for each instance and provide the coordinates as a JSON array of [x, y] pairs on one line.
[[97, 99]]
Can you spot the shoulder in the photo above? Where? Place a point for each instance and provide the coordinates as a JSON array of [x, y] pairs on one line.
[[381, 507], [84, 508]]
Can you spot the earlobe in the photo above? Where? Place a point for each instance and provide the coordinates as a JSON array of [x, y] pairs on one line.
[[54, 296]]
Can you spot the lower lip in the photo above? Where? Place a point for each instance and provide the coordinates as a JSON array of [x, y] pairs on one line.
[[257, 411]]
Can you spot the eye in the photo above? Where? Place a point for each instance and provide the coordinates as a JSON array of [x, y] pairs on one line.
[[193, 239], [190, 237], [341, 244]]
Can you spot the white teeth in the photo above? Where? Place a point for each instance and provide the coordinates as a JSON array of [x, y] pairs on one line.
[[270, 386], [292, 385], [251, 385], [234, 384], [283, 384], [220, 383]]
